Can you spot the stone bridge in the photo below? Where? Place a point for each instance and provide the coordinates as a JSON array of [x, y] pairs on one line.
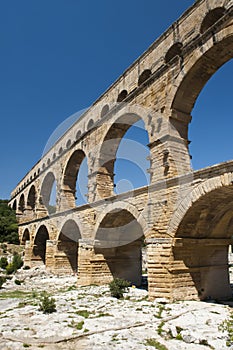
[[184, 218]]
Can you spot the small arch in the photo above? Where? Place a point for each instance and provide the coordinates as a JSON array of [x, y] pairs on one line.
[[144, 76], [54, 156], [22, 203], [90, 124], [211, 18], [122, 95], [48, 161], [60, 150], [78, 134], [68, 144], [43, 166], [104, 111], [39, 249], [14, 206], [26, 236], [175, 50], [31, 201]]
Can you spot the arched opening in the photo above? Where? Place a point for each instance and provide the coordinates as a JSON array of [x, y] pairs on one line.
[[189, 90], [122, 95], [39, 248], [90, 124], [211, 18], [104, 111], [118, 247], [31, 202], [21, 207], [210, 130], [49, 193], [144, 76], [204, 234], [66, 258], [175, 50], [124, 157], [75, 180], [14, 206], [26, 236]]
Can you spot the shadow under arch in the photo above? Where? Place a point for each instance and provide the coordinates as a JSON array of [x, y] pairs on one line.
[[66, 257], [118, 247], [31, 200], [39, 248], [201, 245], [26, 236]]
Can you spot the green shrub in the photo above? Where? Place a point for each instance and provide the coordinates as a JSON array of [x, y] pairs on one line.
[[10, 269], [3, 262], [2, 280], [47, 305], [16, 264], [118, 287], [157, 345]]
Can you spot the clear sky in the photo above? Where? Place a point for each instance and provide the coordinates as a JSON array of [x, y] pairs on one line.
[[58, 56]]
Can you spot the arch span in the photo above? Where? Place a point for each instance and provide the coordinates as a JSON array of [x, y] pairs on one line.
[[115, 132], [48, 184], [66, 257], [200, 69], [118, 244], [26, 236], [39, 248], [70, 178], [202, 241], [31, 200]]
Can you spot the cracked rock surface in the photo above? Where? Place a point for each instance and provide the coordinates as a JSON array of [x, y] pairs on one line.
[[89, 318]]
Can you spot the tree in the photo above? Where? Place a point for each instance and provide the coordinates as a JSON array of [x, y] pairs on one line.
[[8, 224]]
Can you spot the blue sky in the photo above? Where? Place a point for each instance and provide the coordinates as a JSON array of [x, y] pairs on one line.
[[58, 56]]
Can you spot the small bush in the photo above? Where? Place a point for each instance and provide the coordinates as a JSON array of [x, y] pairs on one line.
[[47, 305], [2, 280], [118, 287], [3, 262], [155, 344], [16, 264]]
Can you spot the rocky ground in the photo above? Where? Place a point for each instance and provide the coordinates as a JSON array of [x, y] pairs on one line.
[[89, 318]]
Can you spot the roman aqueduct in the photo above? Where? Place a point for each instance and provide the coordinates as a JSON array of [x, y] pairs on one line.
[[183, 217]]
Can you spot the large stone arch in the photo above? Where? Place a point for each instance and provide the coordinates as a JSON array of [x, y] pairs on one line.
[[105, 153], [25, 236], [203, 234], [21, 206], [193, 195], [31, 199], [200, 67], [66, 257], [39, 247], [118, 245], [70, 178], [118, 206], [46, 190]]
